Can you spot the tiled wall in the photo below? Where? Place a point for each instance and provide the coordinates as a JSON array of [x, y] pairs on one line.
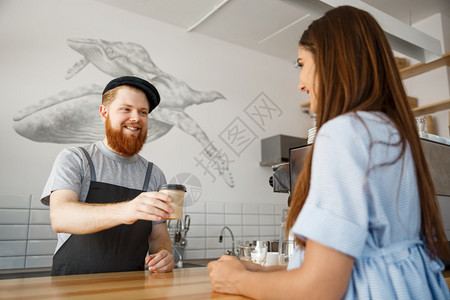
[[28, 241], [247, 221], [26, 237]]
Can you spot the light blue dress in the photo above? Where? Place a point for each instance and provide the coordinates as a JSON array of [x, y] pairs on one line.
[[364, 208]]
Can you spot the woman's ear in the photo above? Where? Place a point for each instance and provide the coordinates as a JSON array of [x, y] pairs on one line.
[[103, 112]]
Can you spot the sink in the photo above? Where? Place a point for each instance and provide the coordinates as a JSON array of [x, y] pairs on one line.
[[196, 263], [189, 265], [40, 272]]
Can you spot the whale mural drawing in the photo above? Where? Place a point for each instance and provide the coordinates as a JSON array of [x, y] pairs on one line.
[[71, 116]]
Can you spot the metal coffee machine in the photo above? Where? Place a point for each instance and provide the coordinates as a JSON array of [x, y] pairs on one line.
[[285, 174], [437, 154], [283, 180]]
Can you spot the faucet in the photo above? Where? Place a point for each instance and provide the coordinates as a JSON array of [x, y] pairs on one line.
[[232, 240]]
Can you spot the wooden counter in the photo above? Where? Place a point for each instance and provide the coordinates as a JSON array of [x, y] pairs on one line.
[[189, 283]]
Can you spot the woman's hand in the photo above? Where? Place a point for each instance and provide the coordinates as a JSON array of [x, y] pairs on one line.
[[225, 274]]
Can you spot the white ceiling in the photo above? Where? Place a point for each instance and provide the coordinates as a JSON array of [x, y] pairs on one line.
[[269, 26]]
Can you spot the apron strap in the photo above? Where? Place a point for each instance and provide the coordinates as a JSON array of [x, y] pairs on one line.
[[147, 176], [91, 165]]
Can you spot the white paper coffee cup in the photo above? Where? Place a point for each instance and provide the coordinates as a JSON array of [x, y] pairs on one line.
[[176, 192]]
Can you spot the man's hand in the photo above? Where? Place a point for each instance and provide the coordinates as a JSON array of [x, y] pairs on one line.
[[150, 206], [160, 262], [69, 215]]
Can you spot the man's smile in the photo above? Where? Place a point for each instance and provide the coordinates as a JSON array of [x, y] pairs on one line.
[[132, 127]]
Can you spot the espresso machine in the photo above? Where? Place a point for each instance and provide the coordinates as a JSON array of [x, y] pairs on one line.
[[283, 181], [437, 154], [285, 174]]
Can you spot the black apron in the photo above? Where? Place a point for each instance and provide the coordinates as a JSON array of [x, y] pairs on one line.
[[120, 248]]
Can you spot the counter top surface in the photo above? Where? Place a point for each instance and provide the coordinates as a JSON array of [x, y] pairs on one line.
[[188, 283]]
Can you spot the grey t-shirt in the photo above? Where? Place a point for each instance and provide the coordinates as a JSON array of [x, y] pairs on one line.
[[71, 171]]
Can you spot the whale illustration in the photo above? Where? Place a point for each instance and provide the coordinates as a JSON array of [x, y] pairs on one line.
[[72, 116]]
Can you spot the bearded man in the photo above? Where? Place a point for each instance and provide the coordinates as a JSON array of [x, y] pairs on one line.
[[103, 200]]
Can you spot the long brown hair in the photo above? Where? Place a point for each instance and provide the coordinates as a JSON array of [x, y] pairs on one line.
[[356, 71]]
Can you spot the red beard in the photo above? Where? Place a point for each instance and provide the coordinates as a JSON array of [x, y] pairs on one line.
[[126, 145]]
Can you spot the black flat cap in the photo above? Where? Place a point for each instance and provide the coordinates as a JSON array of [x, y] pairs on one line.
[[150, 91]]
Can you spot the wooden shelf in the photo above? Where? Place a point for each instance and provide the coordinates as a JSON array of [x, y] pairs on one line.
[[416, 70], [411, 100], [431, 108], [305, 105], [422, 68]]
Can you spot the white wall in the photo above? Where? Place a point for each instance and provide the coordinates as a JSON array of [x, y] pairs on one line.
[[34, 59], [434, 86]]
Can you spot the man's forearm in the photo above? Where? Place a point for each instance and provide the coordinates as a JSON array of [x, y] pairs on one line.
[[85, 218], [69, 215], [159, 239]]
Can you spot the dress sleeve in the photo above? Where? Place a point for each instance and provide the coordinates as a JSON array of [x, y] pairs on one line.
[[335, 213]]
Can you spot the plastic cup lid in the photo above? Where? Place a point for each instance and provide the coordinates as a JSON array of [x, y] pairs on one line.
[[178, 187]]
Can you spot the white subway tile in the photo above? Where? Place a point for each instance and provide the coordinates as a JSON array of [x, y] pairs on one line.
[[250, 231], [215, 219], [196, 243], [197, 218], [14, 216], [250, 220], [196, 231], [13, 232], [41, 217], [38, 261], [266, 220], [213, 242], [267, 231], [12, 248], [195, 254], [15, 201], [12, 262], [233, 208], [214, 253], [277, 230], [41, 232], [233, 219], [37, 204], [198, 207], [266, 209], [215, 207], [41, 247], [250, 208], [236, 229], [213, 230]]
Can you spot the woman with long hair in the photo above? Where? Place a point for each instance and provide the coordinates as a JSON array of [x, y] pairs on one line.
[[364, 210]]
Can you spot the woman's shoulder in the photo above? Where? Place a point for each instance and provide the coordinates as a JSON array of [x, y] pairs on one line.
[[358, 125], [356, 119]]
